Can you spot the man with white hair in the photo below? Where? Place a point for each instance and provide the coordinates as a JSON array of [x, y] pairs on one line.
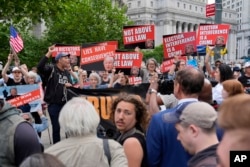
[[196, 126]]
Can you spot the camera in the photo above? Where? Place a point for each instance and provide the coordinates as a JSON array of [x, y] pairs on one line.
[[166, 86]]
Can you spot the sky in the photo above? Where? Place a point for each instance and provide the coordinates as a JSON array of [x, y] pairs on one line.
[[210, 1]]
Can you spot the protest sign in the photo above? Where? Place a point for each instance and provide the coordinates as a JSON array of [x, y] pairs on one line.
[[212, 34], [141, 36], [181, 44], [70, 49], [93, 56], [127, 59], [24, 95]]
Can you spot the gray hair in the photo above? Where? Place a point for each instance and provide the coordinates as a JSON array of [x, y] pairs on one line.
[[32, 74], [78, 117], [97, 76]]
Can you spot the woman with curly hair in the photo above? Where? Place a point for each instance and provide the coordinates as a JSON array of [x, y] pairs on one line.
[[130, 116]]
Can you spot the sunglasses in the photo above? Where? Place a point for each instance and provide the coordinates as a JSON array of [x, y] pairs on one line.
[[17, 72]]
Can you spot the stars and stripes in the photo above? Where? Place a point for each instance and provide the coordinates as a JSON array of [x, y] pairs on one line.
[[16, 42]]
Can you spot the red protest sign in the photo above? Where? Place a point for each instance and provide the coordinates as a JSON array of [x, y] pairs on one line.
[[115, 43], [213, 34], [140, 35], [127, 59], [135, 80], [179, 44], [166, 65], [93, 56], [72, 50], [210, 10]]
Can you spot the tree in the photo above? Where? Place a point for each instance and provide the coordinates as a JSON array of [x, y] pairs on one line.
[[156, 53], [24, 15], [87, 21], [70, 22], [32, 11]]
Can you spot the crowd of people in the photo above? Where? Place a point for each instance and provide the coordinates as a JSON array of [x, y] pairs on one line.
[[198, 124]]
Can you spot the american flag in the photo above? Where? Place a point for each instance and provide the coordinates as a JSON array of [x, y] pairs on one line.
[[16, 42]]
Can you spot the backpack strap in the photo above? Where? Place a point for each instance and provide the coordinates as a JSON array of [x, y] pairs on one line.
[[106, 149]]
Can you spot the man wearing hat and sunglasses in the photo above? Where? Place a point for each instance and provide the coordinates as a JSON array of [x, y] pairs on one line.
[[58, 79]]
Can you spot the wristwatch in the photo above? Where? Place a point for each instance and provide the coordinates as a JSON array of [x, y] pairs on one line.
[[152, 91]]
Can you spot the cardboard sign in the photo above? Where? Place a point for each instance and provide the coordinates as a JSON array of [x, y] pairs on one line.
[[70, 49], [179, 44], [127, 59], [142, 36], [25, 94], [166, 65], [213, 34], [93, 56], [135, 80]]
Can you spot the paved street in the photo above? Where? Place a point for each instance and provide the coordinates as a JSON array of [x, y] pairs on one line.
[[46, 138]]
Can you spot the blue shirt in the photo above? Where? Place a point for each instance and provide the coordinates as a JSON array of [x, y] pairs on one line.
[[164, 150]]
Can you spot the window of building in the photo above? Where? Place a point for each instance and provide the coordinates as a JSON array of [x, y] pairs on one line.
[[190, 7], [139, 3], [225, 14], [201, 9], [232, 7], [184, 6], [178, 4], [228, 2], [195, 8], [229, 15], [129, 5], [152, 4]]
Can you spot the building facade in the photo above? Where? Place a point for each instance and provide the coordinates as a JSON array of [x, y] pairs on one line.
[[242, 8], [176, 16]]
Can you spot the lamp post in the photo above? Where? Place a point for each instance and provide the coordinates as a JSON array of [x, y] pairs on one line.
[[218, 11]]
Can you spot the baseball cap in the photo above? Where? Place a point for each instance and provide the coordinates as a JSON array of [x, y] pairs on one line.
[[247, 64], [60, 55], [16, 69], [200, 114], [236, 69]]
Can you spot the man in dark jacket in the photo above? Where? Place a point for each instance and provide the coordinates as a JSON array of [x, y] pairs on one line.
[[18, 139], [58, 79]]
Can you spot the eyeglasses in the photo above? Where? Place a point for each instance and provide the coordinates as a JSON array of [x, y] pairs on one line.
[[17, 72]]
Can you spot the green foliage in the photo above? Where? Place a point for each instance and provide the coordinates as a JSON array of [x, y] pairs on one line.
[[156, 53], [16, 11], [67, 22], [87, 21]]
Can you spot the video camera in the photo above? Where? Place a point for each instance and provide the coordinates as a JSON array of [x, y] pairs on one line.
[[166, 86]]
